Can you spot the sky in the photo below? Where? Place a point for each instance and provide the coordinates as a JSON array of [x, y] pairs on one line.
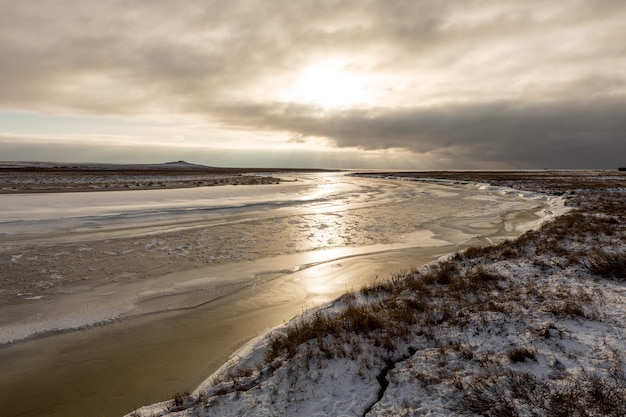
[[415, 84]]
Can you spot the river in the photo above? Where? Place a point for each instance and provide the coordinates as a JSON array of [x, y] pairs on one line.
[[113, 300]]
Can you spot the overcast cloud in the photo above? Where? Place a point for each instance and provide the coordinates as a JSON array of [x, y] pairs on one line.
[[493, 84]]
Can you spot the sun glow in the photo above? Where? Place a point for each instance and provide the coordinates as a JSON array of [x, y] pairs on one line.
[[329, 85]]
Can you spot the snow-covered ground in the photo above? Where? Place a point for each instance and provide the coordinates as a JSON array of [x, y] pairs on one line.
[[531, 327]]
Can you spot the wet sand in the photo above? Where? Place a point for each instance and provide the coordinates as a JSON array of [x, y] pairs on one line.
[[298, 259]]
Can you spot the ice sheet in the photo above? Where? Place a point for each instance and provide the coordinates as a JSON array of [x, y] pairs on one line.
[[221, 239]]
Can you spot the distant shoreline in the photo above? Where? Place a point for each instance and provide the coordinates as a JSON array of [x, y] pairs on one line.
[[20, 180]]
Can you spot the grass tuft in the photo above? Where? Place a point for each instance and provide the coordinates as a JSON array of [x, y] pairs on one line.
[[181, 401], [521, 354], [513, 393], [607, 265]]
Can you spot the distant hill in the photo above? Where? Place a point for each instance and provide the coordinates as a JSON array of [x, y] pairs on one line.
[[165, 168], [178, 165]]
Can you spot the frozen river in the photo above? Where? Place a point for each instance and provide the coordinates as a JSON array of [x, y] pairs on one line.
[[181, 277]]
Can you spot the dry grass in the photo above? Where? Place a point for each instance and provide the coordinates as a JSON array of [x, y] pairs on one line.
[[180, 401], [521, 354], [607, 265], [498, 393]]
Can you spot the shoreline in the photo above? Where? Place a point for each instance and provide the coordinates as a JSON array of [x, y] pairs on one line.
[[22, 181], [63, 178], [251, 352], [191, 343], [217, 391], [225, 358]]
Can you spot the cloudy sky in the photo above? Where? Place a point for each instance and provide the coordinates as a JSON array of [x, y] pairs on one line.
[[409, 84]]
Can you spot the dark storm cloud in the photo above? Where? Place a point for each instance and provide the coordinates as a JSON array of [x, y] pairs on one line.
[[528, 83], [587, 134]]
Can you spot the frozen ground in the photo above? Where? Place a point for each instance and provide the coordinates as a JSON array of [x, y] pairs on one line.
[[530, 327]]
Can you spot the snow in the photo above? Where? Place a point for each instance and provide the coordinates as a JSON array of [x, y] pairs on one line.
[[529, 327]]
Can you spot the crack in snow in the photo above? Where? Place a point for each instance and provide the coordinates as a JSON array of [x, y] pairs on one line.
[[382, 378]]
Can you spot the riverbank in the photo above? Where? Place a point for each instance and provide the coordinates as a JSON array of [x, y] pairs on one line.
[[58, 180], [237, 273], [530, 326]]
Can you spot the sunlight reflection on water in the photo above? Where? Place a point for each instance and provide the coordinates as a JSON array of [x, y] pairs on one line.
[[283, 249], [320, 218]]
